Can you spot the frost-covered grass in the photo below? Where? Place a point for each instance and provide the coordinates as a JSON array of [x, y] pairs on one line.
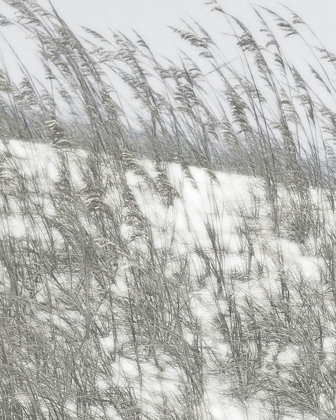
[[173, 259], [117, 305]]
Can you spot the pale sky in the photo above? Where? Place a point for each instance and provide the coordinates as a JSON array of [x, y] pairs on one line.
[[150, 19]]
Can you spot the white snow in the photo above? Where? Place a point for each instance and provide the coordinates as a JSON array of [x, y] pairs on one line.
[[201, 217]]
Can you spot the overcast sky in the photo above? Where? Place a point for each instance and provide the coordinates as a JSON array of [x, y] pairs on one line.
[[150, 19]]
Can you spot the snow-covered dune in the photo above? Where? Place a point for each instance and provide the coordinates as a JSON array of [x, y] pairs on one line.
[[136, 291]]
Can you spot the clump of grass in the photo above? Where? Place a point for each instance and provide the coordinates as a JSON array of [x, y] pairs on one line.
[[105, 289]]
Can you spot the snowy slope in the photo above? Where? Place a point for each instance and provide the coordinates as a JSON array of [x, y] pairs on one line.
[[158, 288]]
